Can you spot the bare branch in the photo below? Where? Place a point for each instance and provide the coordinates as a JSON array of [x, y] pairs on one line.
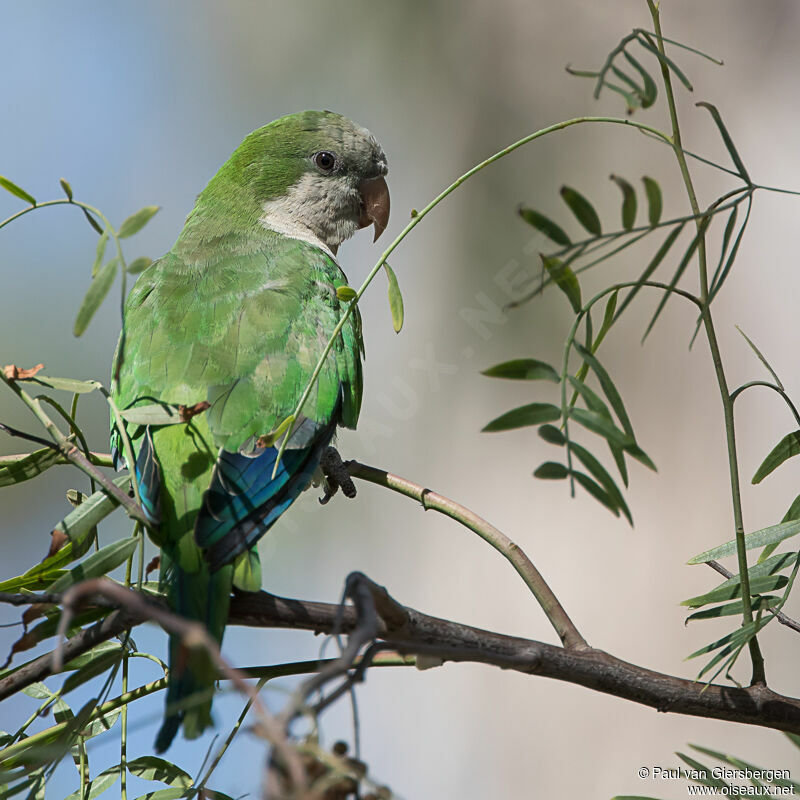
[[412, 632]]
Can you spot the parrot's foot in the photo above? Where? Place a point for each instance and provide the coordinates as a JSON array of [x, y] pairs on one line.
[[336, 475]]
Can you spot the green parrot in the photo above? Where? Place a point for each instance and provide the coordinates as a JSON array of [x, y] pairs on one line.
[[231, 323]]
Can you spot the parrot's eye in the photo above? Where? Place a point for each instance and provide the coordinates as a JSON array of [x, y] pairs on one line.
[[325, 161]]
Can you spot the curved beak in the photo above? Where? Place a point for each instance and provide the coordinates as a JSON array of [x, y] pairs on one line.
[[374, 204]]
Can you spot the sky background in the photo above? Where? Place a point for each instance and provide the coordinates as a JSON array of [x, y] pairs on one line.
[[139, 103]]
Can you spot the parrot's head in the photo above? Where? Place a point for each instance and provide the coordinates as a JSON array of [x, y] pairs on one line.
[[313, 175]]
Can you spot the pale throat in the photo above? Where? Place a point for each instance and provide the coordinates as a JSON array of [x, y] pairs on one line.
[[314, 210], [279, 221]]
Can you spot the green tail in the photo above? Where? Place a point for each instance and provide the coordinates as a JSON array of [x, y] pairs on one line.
[[205, 598], [185, 462]]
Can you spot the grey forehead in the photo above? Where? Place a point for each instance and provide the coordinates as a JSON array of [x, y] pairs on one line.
[[360, 144]]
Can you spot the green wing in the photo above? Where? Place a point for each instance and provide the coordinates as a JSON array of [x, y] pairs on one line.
[[243, 333]]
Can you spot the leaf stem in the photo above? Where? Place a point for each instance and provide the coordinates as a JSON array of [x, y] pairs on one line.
[[758, 676], [554, 611]]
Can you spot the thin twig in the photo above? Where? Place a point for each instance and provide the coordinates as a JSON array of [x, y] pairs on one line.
[[558, 617], [779, 615]]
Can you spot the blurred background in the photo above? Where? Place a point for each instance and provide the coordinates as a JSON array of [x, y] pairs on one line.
[[139, 103]]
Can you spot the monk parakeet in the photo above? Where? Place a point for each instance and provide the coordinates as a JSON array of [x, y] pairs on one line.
[[236, 316]]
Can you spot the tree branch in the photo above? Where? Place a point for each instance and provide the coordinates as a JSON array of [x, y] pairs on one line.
[[413, 632], [420, 633]]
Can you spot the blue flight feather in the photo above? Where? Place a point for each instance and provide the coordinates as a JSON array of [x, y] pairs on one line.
[[148, 479], [244, 500]]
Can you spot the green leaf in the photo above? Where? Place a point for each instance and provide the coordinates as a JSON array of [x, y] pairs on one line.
[[734, 609], [12, 187], [38, 580], [80, 527], [608, 386], [98, 289], [97, 564], [49, 626], [395, 298], [786, 448], [61, 711], [22, 468], [766, 583], [151, 768], [598, 471], [634, 451], [650, 91], [523, 369], [139, 265], [99, 784], [551, 471], [64, 384], [608, 320], [729, 643], [759, 538], [726, 137], [651, 267], [101, 662], [761, 358], [101, 724], [86, 658], [717, 285], [684, 262], [726, 239], [346, 293], [66, 187], [566, 280], [582, 209], [792, 514], [152, 414], [532, 414], [595, 490], [592, 400], [80, 524], [668, 62], [100, 252], [619, 460], [38, 691], [135, 222], [632, 99], [545, 225], [705, 775], [601, 425], [638, 90], [552, 435], [628, 201], [169, 794], [741, 764], [767, 567], [92, 221], [654, 200]]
